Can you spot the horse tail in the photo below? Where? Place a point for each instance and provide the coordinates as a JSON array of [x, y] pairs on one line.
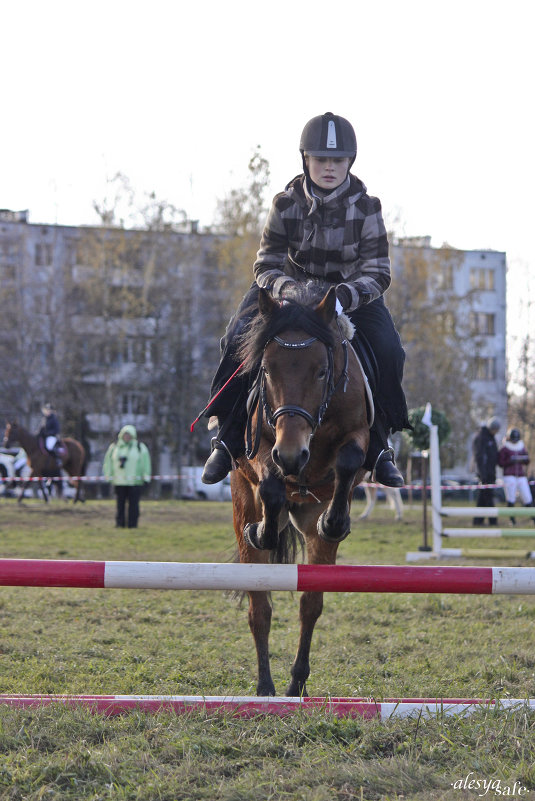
[[290, 544], [85, 462]]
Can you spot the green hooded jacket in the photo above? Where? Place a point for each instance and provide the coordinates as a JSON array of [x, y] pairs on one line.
[[127, 464]]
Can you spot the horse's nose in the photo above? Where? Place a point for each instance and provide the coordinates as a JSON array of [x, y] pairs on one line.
[[290, 464]]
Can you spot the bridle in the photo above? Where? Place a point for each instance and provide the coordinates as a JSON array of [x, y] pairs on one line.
[[259, 399]]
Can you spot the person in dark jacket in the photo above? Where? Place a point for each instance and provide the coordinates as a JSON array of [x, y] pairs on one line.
[[50, 432], [324, 228], [485, 452]]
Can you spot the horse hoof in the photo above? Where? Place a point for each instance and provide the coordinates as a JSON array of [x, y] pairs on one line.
[[264, 688], [255, 535], [296, 689], [326, 534], [250, 535]]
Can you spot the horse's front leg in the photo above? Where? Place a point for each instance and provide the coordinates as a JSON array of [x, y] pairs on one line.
[[334, 524], [264, 535], [23, 487]]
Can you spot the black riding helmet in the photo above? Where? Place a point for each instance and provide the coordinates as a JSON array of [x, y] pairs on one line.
[[328, 135], [513, 435]]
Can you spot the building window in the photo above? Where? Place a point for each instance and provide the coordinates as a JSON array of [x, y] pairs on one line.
[[482, 324], [481, 278], [43, 254], [485, 368], [9, 258], [444, 277], [134, 403]]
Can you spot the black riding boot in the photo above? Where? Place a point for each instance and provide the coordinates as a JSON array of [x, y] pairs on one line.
[[380, 461], [512, 519], [226, 447], [218, 464]]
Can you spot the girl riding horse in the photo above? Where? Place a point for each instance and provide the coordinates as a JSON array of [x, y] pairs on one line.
[[324, 228]]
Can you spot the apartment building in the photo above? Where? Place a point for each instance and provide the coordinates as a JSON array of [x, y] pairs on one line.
[[113, 326], [472, 284]]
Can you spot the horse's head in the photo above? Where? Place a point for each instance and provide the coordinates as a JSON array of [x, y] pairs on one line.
[[294, 344]]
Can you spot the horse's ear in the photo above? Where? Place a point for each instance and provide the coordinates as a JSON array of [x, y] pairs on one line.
[[327, 306], [266, 304]]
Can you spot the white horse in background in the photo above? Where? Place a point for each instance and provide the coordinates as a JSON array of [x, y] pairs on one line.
[[393, 497]]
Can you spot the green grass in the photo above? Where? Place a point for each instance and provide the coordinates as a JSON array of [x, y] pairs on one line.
[[164, 642]]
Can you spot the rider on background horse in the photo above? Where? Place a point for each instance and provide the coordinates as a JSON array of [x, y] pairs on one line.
[[324, 228], [50, 432]]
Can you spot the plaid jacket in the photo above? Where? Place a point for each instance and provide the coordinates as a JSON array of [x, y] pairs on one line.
[[337, 239]]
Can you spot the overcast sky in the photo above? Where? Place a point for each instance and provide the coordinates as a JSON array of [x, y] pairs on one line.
[[177, 95]]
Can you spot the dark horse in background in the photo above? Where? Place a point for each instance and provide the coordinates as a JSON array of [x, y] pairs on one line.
[[307, 436], [42, 464]]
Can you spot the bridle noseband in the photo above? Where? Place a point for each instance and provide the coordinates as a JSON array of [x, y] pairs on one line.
[[291, 409]]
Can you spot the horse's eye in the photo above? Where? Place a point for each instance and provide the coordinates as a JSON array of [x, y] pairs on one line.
[[322, 374]]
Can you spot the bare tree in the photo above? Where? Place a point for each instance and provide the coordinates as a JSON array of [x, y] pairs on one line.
[[241, 216]]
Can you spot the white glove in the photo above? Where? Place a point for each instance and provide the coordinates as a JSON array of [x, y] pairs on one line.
[[339, 307]]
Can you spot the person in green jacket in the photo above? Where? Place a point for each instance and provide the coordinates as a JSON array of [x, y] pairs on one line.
[[127, 465]]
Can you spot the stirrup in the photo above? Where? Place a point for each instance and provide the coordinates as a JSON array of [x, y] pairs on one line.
[[384, 452], [221, 444], [387, 457]]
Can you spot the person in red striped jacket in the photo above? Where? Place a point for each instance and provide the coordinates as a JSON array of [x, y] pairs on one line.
[[514, 459]]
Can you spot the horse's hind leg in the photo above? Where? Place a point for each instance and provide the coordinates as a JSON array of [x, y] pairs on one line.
[[247, 509], [310, 609], [398, 503], [371, 497], [44, 490], [260, 625]]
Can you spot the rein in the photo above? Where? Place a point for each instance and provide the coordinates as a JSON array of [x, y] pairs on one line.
[[260, 401]]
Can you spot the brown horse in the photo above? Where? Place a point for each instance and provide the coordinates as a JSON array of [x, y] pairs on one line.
[[307, 436], [42, 463]]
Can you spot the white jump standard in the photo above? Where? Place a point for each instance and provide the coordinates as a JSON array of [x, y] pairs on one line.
[[439, 512]]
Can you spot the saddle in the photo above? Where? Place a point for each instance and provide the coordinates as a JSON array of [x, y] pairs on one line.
[[60, 449]]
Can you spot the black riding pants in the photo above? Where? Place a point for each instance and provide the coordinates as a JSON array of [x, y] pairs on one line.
[[373, 320]]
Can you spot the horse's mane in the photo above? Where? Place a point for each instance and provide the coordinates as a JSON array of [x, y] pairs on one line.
[[297, 314]]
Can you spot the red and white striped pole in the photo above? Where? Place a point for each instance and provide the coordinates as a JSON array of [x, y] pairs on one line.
[[248, 706], [243, 577]]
